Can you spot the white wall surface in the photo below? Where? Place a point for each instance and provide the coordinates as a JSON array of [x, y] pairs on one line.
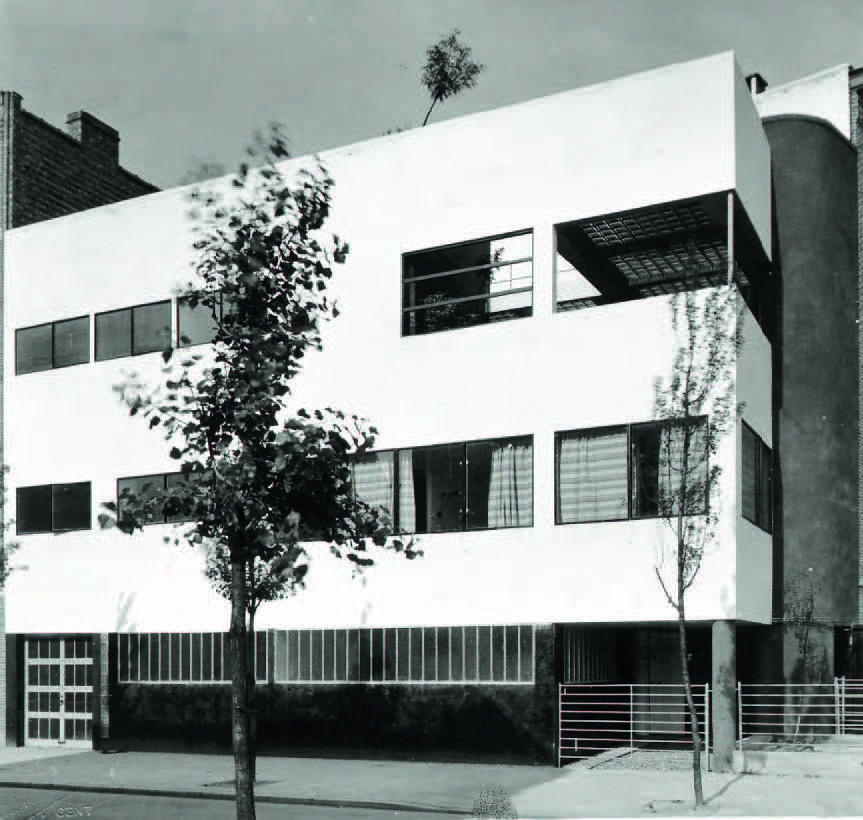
[[655, 137], [823, 95]]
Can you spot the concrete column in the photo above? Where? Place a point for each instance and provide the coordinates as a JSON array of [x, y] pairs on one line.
[[724, 691]]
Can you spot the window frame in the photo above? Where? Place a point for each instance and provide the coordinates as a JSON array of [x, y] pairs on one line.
[[394, 452], [405, 309], [52, 324], [630, 465], [761, 448], [164, 478], [54, 530], [131, 309]]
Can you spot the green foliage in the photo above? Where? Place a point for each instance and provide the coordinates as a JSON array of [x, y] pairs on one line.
[[257, 473], [448, 69], [493, 802]]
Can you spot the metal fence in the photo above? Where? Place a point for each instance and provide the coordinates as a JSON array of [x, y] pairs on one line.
[[618, 719], [782, 714]]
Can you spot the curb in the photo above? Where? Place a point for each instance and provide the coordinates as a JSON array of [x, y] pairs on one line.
[[263, 798]]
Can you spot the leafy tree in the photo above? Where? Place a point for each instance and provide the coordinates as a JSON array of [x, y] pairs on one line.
[[708, 335], [448, 70], [258, 475]]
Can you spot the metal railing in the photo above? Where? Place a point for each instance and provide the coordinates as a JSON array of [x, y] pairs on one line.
[[622, 718], [781, 714]]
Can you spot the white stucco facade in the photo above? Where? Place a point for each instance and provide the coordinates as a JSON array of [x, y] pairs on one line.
[[674, 133]]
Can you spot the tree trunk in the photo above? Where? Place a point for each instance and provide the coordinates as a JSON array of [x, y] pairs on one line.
[[684, 665], [243, 782], [253, 715], [428, 113]]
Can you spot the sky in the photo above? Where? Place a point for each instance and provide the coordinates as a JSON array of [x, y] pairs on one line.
[[189, 81]]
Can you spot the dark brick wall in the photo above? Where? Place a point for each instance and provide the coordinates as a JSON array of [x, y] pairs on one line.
[[53, 174]]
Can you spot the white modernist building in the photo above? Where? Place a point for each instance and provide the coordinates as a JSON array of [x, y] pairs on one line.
[[505, 310]]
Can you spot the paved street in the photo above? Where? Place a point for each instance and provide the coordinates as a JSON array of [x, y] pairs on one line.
[[35, 804]]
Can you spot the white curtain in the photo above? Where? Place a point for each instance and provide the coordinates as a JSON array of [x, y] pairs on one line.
[[510, 494], [407, 504], [591, 477], [373, 480]]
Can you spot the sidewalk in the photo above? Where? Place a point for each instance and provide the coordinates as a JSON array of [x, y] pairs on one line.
[[538, 792]]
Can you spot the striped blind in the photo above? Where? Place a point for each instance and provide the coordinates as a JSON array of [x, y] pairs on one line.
[[592, 476]]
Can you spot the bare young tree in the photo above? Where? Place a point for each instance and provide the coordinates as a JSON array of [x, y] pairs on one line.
[[697, 403], [448, 70]]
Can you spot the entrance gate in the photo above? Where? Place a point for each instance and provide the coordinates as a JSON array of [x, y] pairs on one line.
[[58, 697]]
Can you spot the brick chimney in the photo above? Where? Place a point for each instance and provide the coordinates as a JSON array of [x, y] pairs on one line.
[[95, 134], [756, 83]]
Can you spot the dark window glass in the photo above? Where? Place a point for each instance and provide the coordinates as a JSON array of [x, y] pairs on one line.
[[468, 284], [123, 640], [113, 334], [72, 506], [591, 476], [72, 342], [757, 480], [218, 655], [33, 509], [133, 657], [196, 656], [500, 483], [195, 325], [185, 656], [341, 655], [151, 327], [33, 349], [429, 653], [144, 656], [173, 512], [305, 646], [154, 656], [365, 654], [525, 636], [511, 653], [658, 483], [329, 655], [317, 655], [390, 644], [175, 656], [431, 489]]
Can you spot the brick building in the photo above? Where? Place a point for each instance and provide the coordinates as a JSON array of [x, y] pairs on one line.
[[46, 173]]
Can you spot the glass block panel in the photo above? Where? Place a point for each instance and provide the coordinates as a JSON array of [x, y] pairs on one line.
[[196, 656], [133, 657], [151, 327], [72, 342], [294, 654], [281, 659], [185, 656], [164, 657], [341, 655], [113, 334], [317, 650], [329, 655], [354, 655], [429, 654], [390, 647], [404, 654], [456, 652], [484, 656], [525, 637], [207, 656], [377, 658], [304, 657], [33, 349], [365, 654]]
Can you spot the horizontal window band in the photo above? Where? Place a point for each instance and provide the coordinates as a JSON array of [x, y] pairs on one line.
[[338, 682]]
